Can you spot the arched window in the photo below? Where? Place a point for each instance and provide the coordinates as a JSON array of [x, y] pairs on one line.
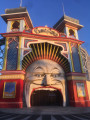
[[71, 33], [15, 26]]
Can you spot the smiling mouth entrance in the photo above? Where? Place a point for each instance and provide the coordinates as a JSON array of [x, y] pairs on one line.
[[46, 97]]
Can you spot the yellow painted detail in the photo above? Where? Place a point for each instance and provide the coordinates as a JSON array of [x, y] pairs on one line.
[[47, 49], [15, 76], [45, 31], [19, 54], [44, 49], [35, 50], [29, 58], [38, 49], [32, 52], [72, 30], [88, 88], [50, 50], [41, 50], [80, 59], [53, 51], [71, 58], [76, 78], [56, 51], [5, 55]]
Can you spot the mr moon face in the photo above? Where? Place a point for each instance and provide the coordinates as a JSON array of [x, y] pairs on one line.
[[44, 74]]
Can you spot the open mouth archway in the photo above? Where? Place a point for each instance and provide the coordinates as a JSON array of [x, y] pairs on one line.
[[46, 98]]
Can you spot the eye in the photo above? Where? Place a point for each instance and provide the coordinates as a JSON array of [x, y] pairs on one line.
[[55, 75], [39, 75]]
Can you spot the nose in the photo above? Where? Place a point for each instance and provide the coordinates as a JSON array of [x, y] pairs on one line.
[[47, 80]]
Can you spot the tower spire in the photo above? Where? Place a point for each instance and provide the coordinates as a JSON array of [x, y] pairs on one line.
[[63, 8], [20, 3]]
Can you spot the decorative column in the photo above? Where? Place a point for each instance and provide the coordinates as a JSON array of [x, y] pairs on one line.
[[5, 55], [19, 55]]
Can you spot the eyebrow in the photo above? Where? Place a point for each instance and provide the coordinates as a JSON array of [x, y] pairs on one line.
[[38, 68], [55, 68]]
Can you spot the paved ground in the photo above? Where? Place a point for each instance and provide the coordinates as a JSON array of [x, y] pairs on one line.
[[45, 113]]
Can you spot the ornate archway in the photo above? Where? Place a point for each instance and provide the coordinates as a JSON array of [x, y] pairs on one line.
[[43, 55], [46, 51]]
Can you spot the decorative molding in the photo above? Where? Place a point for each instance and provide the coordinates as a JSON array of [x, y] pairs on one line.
[[45, 31], [73, 70], [11, 102], [4, 72], [40, 37], [76, 78], [15, 76], [5, 55]]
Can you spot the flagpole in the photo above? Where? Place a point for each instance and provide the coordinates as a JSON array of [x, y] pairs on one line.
[[20, 3], [63, 7]]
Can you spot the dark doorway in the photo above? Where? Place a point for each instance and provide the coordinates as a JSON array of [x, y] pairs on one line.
[[46, 98]]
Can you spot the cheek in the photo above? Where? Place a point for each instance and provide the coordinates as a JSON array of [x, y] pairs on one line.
[[35, 79]]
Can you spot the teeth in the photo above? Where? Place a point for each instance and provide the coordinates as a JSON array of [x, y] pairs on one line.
[[51, 89]]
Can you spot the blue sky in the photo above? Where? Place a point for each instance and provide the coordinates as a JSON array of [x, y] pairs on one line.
[[48, 12]]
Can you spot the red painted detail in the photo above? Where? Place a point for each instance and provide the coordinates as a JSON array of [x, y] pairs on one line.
[[80, 104], [12, 102], [75, 74], [74, 100], [44, 87], [61, 44], [4, 72], [29, 41], [11, 105], [41, 37]]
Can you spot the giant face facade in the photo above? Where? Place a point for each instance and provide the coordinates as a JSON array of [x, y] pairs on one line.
[[44, 75]]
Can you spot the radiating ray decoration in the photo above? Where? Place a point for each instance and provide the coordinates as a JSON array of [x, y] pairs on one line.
[[45, 51]]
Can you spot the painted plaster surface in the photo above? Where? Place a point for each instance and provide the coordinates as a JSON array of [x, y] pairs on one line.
[[45, 75]]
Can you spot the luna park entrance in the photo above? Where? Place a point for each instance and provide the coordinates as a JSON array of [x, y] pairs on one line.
[[46, 98]]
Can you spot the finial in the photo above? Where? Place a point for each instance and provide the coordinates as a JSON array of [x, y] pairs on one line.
[[20, 3], [63, 7]]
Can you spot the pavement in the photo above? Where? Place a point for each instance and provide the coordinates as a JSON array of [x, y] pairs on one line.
[[45, 113], [47, 110]]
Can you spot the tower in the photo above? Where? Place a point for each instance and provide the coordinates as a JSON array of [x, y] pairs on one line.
[[17, 21], [69, 26]]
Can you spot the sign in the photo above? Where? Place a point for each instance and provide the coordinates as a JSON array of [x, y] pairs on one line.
[[45, 31], [80, 89], [9, 90]]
